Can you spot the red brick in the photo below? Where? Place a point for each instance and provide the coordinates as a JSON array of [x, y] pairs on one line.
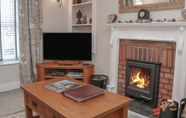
[[136, 53], [154, 59], [131, 52], [159, 58], [161, 85], [172, 70], [121, 80], [120, 89], [159, 95], [170, 93], [122, 42], [166, 97], [161, 74], [174, 56], [121, 72], [168, 87], [171, 82], [147, 44], [164, 58], [174, 46], [140, 54], [163, 91], [169, 58], [162, 45], [132, 43], [122, 62], [120, 52], [168, 75], [126, 52], [120, 67], [119, 84], [163, 80], [123, 53], [144, 54], [149, 54], [119, 75], [164, 69]]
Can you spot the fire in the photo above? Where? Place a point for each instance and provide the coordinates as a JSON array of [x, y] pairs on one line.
[[140, 81]]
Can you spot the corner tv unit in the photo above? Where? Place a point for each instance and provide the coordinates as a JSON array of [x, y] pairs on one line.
[[67, 46]]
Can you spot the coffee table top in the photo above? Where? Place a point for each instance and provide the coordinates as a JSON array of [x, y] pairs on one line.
[[95, 107]]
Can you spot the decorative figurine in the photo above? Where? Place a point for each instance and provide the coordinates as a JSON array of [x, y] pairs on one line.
[[84, 21], [79, 15]]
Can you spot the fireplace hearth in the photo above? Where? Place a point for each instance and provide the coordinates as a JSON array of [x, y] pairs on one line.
[[142, 80]]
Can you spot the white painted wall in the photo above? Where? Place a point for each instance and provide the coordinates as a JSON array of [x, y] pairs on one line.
[[56, 19], [9, 77]]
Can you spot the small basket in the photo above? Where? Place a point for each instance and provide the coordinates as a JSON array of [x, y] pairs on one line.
[[168, 113]]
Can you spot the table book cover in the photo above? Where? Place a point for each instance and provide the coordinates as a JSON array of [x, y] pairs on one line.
[[62, 85], [83, 93]]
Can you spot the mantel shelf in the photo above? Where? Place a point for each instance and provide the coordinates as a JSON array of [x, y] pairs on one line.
[[160, 24], [81, 25]]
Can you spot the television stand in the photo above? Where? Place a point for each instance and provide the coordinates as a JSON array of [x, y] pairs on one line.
[[45, 70], [66, 62]]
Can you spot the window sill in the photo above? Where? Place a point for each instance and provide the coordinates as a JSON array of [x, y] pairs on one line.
[[9, 62]]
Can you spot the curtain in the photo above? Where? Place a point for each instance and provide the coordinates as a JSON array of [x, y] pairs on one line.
[[30, 38]]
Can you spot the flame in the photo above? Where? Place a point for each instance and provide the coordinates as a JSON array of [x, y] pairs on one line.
[[139, 80]]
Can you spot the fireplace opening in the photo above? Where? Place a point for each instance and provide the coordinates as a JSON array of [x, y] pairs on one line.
[[142, 80]]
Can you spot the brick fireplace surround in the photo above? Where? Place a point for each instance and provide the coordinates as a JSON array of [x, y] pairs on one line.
[[152, 51], [156, 42]]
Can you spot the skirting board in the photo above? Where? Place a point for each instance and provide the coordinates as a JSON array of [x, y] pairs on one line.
[[9, 86]]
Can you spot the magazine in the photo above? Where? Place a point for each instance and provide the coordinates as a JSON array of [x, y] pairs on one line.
[[62, 85]]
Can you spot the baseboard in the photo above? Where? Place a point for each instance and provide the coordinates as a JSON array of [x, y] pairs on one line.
[[9, 86]]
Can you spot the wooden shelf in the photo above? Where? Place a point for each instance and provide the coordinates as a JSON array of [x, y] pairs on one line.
[[44, 71], [82, 4], [81, 25]]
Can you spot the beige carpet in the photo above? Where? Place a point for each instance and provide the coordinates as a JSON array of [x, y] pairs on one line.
[[16, 115], [22, 115]]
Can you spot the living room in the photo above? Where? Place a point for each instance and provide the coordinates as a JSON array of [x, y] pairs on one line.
[[57, 19]]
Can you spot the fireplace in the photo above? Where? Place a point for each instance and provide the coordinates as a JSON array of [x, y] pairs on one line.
[[160, 32], [142, 80]]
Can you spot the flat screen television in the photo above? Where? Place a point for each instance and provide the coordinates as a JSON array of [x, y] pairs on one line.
[[67, 46]]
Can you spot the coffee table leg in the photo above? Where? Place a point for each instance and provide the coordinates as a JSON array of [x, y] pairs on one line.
[[28, 112], [125, 112]]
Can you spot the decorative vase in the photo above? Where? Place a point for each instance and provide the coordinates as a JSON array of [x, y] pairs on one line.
[[79, 15]]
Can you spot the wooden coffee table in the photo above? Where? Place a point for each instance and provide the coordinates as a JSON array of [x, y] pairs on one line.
[[49, 104]]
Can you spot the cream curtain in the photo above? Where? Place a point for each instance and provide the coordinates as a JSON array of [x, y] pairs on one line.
[[30, 33]]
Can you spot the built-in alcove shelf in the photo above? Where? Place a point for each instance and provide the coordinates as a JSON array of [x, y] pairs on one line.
[[153, 24], [81, 25], [82, 4]]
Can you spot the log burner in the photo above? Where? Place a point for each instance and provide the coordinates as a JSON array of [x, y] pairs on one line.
[[142, 80]]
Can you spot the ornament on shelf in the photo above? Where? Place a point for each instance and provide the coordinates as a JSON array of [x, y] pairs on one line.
[[183, 13], [78, 15], [90, 20], [84, 21]]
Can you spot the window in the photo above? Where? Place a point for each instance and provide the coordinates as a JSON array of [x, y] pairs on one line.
[[9, 30]]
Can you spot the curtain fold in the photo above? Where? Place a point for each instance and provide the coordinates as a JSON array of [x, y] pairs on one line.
[[30, 33]]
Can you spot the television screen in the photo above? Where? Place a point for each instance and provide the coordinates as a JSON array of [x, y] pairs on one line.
[[67, 46]]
